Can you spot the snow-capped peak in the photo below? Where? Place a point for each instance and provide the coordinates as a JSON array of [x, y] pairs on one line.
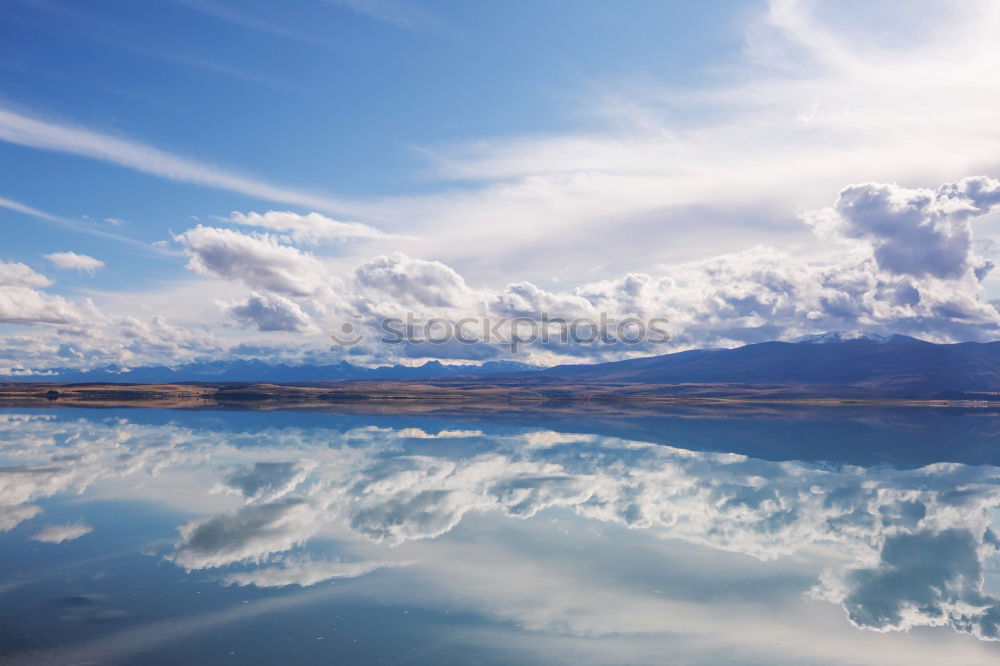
[[834, 337]]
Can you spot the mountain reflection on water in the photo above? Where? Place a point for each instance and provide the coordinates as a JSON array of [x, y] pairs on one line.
[[505, 543]]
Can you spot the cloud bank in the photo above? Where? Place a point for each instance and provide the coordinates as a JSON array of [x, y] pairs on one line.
[[907, 262]]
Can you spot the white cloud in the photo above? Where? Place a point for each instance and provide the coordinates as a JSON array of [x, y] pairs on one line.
[[19, 207], [307, 229], [414, 283], [271, 313], [922, 579], [267, 481], [25, 130], [302, 572], [137, 338], [21, 305], [651, 209], [76, 225], [258, 260], [250, 534], [75, 334], [751, 296], [79, 262], [669, 173], [916, 232], [61, 533], [20, 275], [12, 516], [666, 174], [881, 280]]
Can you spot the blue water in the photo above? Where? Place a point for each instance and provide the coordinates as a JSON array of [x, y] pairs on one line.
[[724, 535]]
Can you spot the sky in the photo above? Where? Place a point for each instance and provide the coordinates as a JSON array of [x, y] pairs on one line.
[[189, 180]]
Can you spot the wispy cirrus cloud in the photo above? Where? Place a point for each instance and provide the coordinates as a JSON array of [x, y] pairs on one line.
[[20, 275], [76, 225], [400, 14], [815, 100], [307, 229], [32, 132], [68, 18], [245, 20], [19, 207]]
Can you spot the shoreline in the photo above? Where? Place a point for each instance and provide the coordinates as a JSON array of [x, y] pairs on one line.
[[409, 394]]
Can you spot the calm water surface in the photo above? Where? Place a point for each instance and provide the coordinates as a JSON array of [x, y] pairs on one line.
[[721, 536]]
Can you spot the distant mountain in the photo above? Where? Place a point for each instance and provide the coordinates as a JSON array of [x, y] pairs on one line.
[[835, 337], [259, 371], [831, 364], [894, 366]]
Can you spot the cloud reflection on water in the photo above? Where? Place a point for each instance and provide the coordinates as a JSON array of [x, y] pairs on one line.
[[911, 545]]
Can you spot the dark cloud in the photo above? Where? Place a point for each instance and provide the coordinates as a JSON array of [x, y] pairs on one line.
[[925, 578], [918, 232], [271, 313], [266, 479], [249, 534]]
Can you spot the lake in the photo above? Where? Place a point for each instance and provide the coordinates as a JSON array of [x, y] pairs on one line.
[[435, 535]]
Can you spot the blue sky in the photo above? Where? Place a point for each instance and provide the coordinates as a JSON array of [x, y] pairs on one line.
[[504, 158]]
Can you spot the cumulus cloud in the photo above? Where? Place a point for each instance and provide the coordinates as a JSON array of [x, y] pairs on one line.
[[21, 305], [816, 99], [75, 332], [12, 516], [924, 578], [78, 262], [407, 282], [912, 268], [23, 302], [20, 275], [819, 100], [271, 313], [267, 481], [61, 533], [917, 232], [907, 261], [309, 229], [141, 336], [72, 334], [250, 534], [258, 260]]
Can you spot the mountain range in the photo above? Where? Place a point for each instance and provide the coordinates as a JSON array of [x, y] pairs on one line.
[[893, 366], [259, 371], [833, 364]]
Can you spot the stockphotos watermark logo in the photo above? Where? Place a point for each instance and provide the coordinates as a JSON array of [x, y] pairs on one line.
[[514, 333]]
